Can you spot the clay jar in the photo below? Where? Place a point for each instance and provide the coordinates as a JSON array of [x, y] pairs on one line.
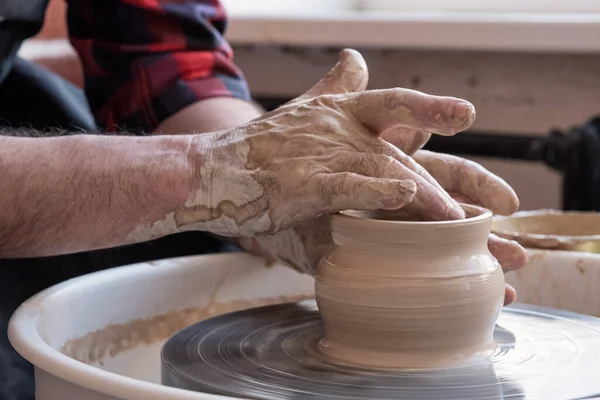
[[402, 293]]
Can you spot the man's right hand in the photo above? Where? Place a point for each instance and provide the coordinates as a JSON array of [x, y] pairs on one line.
[[319, 154]]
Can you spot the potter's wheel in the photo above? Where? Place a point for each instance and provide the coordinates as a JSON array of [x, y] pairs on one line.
[[271, 353]]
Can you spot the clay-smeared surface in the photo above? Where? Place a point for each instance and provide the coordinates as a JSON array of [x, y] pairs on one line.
[[409, 294], [114, 339]]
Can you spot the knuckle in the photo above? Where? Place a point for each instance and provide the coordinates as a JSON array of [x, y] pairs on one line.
[[332, 189], [364, 162], [386, 159], [329, 124], [387, 166]]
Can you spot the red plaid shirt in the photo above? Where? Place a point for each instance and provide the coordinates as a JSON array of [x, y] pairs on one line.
[[144, 60]]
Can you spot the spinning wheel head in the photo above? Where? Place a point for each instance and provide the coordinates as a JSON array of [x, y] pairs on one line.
[[272, 353]]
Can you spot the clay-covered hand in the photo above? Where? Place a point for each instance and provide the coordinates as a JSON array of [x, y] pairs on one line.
[[469, 182], [320, 153], [306, 243]]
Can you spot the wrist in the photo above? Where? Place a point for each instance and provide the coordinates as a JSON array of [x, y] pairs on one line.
[[174, 170], [200, 210], [225, 197], [168, 171]]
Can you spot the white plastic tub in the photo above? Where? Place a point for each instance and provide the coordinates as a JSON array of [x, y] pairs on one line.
[[120, 318]]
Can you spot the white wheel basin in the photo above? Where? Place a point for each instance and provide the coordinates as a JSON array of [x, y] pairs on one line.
[[98, 337]]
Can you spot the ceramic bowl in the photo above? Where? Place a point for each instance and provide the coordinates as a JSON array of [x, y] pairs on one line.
[[552, 230]]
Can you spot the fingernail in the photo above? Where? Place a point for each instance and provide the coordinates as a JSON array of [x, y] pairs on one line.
[[464, 112], [409, 185], [510, 295], [344, 54], [456, 212]]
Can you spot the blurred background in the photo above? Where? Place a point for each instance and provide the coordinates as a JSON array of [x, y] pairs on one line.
[[532, 69]]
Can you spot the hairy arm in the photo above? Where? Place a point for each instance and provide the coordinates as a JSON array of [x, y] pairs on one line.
[[79, 193], [74, 193]]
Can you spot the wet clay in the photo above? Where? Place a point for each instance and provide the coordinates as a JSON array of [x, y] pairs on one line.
[[400, 293], [552, 230], [118, 338]]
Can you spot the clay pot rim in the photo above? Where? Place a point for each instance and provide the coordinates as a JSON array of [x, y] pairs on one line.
[[480, 215]]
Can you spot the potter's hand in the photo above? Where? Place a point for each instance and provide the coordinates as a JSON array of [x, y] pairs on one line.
[[319, 154], [469, 182], [306, 243]]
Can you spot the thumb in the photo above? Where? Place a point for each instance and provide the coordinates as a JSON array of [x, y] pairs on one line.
[[350, 74]]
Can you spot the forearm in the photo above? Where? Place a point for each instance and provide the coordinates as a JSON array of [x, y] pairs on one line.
[[74, 193]]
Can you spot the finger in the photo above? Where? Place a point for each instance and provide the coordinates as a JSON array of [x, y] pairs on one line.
[[471, 180], [252, 245], [432, 201], [461, 199], [395, 150], [510, 254], [510, 294], [450, 209], [429, 202], [350, 74], [406, 139], [381, 110], [347, 190], [411, 164]]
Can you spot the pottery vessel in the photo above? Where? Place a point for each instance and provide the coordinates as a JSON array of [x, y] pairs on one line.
[[396, 292]]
